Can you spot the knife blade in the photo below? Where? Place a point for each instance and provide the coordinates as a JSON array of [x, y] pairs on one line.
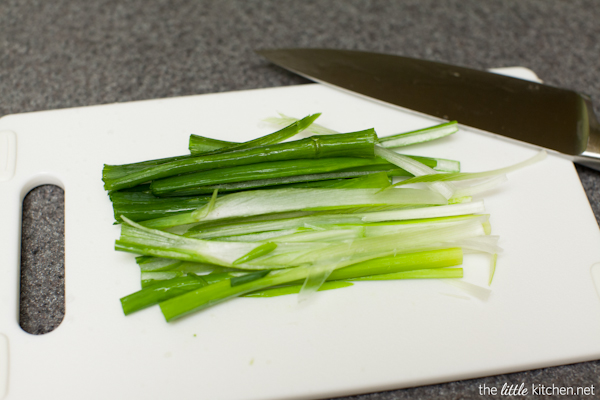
[[557, 119]]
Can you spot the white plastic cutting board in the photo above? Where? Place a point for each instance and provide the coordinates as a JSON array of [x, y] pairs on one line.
[[543, 311]]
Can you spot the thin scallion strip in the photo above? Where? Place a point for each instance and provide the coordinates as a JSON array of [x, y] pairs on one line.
[[476, 291], [294, 289], [367, 248], [442, 273], [419, 136], [414, 167], [372, 179], [201, 144], [112, 172], [400, 263], [460, 176], [281, 200], [159, 292], [392, 141], [138, 239], [493, 261], [259, 251], [485, 244], [370, 220], [268, 225], [284, 120], [142, 212], [148, 264], [210, 205], [425, 212], [275, 137], [240, 280], [152, 278]]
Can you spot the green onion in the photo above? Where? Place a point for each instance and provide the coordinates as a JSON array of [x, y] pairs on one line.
[[476, 291], [113, 172], [259, 251], [416, 168], [398, 140], [460, 176], [493, 261], [240, 280], [443, 273], [401, 263], [281, 200], [294, 289], [275, 137], [202, 145], [357, 144], [425, 212], [138, 239], [143, 212], [419, 136], [284, 120], [159, 292]]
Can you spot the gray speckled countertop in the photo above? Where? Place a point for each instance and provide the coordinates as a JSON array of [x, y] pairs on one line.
[[68, 53]]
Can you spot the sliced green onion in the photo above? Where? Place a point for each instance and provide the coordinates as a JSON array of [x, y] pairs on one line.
[[441, 273], [240, 280], [143, 212], [202, 145], [460, 176], [284, 120], [485, 244], [259, 251], [294, 289], [398, 140], [161, 291], [275, 137], [476, 291], [416, 168], [152, 278], [419, 136], [148, 264], [493, 261], [270, 225], [373, 247], [425, 212], [112, 172], [281, 200], [483, 185], [138, 239], [401, 263], [209, 207]]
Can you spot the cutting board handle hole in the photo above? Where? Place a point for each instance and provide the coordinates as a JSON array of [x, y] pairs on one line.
[[42, 291]]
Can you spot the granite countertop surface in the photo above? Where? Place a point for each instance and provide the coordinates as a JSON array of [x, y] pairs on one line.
[[71, 53]]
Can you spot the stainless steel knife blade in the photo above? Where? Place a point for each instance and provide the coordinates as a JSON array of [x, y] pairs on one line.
[[557, 119]]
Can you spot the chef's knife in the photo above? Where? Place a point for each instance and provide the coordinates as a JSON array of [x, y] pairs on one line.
[[554, 118]]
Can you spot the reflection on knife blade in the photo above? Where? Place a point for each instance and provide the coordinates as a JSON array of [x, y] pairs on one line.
[[546, 116]]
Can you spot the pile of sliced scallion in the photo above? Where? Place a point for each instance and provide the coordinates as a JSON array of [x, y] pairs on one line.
[[271, 217]]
